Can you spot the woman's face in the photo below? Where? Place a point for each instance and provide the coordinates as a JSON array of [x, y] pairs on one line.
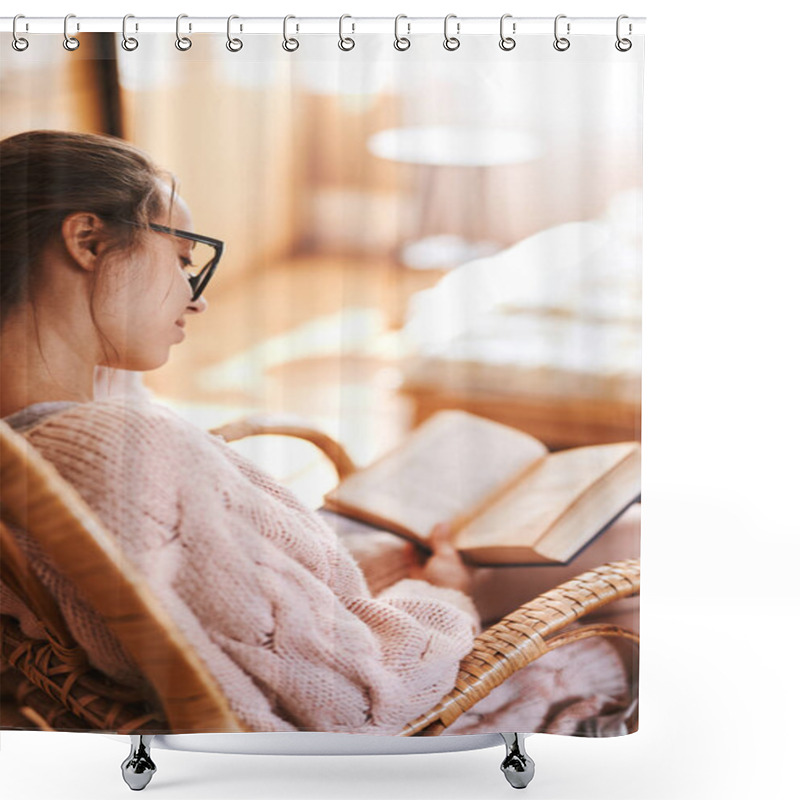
[[147, 298]]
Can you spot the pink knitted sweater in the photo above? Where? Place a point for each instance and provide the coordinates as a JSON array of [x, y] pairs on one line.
[[273, 602]]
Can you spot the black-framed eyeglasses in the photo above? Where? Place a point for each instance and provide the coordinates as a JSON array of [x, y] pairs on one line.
[[199, 274]]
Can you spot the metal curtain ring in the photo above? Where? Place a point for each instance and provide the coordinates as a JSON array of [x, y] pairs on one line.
[[623, 45], [285, 43], [70, 42], [561, 43], [401, 43], [234, 45], [128, 42], [182, 42], [506, 42], [451, 42], [350, 43], [18, 43]]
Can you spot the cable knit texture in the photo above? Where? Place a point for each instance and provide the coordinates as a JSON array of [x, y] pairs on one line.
[[272, 601]]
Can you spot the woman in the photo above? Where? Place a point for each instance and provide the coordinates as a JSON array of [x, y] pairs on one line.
[[94, 277]]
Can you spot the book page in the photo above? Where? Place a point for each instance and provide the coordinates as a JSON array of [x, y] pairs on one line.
[[534, 505], [450, 465]]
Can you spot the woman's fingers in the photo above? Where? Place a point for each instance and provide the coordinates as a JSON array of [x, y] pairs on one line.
[[444, 566], [441, 537]]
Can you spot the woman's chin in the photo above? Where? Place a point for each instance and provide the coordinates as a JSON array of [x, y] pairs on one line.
[[145, 363]]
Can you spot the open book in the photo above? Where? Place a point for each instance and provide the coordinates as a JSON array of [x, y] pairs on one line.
[[508, 498]]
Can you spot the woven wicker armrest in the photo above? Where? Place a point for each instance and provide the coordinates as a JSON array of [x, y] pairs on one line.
[[528, 633], [257, 424], [57, 689]]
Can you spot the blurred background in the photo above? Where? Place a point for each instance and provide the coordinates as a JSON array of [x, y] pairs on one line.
[[405, 231]]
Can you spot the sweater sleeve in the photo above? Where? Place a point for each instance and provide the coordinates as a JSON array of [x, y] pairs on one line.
[[412, 635], [409, 592], [265, 592]]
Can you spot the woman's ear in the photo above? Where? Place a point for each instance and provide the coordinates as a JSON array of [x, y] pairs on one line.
[[83, 234]]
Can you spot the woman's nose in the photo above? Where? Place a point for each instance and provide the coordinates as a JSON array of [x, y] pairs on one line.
[[201, 304]]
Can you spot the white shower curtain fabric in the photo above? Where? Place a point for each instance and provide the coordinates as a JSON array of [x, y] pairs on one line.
[[434, 258]]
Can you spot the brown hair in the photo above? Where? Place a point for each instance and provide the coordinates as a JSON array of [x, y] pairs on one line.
[[46, 175]]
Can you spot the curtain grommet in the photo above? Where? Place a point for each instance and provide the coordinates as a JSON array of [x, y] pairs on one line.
[[561, 43], [128, 43], [346, 43], [623, 45], [234, 45], [70, 42], [451, 42], [507, 42], [18, 42], [401, 43], [289, 44], [183, 43]]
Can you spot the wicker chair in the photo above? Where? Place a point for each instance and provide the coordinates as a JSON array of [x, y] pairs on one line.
[[57, 689]]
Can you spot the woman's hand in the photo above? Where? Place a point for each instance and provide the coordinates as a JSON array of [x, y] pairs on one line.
[[444, 566]]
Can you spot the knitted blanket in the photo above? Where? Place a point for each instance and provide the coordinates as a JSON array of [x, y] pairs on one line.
[[270, 598]]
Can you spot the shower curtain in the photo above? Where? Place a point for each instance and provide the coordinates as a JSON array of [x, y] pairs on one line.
[[420, 255]]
